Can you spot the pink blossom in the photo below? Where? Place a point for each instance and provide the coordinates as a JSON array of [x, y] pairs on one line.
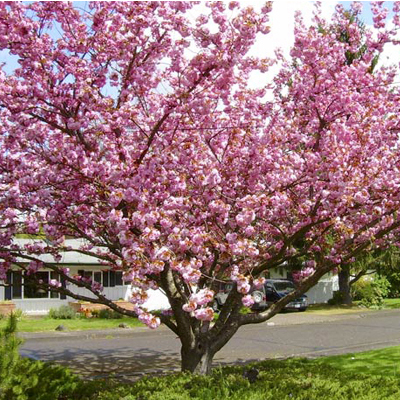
[[96, 286], [247, 300], [191, 275], [34, 266], [4, 267], [231, 237], [243, 286], [213, 178], [189, 307], [150, 320], [258, 283], [204, 314], [55, 283], [298, 276], [245, 218], [202, 297]]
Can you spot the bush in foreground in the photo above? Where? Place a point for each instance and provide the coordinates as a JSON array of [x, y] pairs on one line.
[[291, 379], [24, 379]]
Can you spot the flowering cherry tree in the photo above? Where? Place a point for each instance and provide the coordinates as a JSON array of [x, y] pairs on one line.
[[131, 126]]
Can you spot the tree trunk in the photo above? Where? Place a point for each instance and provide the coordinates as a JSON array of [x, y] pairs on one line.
[[344, 285], [198, 358]]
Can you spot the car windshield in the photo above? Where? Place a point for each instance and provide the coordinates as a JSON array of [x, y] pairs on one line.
[[284, 286]]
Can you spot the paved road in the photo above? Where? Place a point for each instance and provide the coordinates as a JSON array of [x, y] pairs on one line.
[[139, 351]]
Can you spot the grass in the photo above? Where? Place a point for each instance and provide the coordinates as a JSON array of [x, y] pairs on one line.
[[43, 324], [326, 309], [385, 362], [391, 303]]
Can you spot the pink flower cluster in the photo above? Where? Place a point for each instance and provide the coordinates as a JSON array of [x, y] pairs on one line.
[[242, 282], [148, 319], [4, 267], [201, 298], [55, 283], [248, 300], [34, 266], [258, 283], [190, 270], [298, 276], [204, 314]]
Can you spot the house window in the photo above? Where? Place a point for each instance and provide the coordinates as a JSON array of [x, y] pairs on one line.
[[118, 278], [31, 291], [23, 286], [97, 276], [54, 275], [17, 284], [106, 278]]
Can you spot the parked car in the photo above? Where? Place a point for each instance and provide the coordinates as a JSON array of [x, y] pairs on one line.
[[272, 291]]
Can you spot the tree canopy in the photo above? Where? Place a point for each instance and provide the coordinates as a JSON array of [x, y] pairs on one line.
[[132, 127]]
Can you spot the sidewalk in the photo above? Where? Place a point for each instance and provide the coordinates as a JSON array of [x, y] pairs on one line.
[[288, 318]]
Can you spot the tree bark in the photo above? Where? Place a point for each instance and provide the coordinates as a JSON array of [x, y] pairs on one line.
[[344, 285], [197, 358]]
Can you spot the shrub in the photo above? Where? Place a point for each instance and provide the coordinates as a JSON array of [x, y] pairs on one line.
[[9, 356], [336, 299], [63, 312], [371, 292], [109, 314], [25, 379], [42, 381], [394, 279]]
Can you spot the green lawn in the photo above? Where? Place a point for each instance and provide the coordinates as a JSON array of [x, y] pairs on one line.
[[391, 303], [326, 309], [385, 362], [27, 324]]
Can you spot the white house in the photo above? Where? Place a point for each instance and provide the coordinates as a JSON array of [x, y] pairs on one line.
[[321, 292], [34, 301]]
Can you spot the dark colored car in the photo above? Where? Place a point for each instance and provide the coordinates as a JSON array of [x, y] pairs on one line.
[[272, 291]]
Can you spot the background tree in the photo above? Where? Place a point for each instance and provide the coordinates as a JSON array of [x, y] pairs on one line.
[[378, 263], [134, 130]]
